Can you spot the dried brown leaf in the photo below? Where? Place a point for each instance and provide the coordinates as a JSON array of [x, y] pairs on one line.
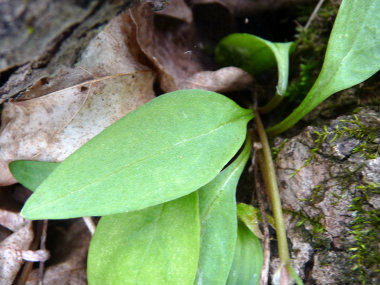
[[168, 45], [177, 9], [227, 79], [69, 259], [48, 123], [11, 246]]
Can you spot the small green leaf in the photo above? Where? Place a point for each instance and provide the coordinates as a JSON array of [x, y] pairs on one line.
[[31, 173], [218, 222], [157, 245], [250, 217], [254, 55], [352, 56], [248, 259], [163, 150]]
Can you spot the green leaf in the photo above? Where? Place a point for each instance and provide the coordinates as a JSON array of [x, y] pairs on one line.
[[250, 216], [248, 259], [352, 56], [218, 222], [163, 150], [31, 173], [254, 55], [157, 245]]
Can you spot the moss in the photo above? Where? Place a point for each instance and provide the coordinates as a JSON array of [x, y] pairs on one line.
[[311, 45], [352, 128], [366, 231], [316, 237], [277, 150], [316, 195]]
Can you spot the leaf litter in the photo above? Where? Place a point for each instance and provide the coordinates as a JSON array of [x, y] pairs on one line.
[[115, 75]]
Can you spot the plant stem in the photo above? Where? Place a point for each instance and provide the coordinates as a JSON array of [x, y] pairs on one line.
[[269, 175], [273, 103]]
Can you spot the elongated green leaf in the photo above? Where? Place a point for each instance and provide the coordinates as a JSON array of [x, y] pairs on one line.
[[157, 245], [31, 173], [254, 55], [352, 56], [248, 259], [165, 149], [217, 206]]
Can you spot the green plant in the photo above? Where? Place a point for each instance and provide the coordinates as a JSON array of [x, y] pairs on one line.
[[156, 176]]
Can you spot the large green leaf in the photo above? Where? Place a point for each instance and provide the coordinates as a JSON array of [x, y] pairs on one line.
[[31, 173], [165, 149], [352, 56], [155, 246], [248, 259], [217, 206], [254, 55]]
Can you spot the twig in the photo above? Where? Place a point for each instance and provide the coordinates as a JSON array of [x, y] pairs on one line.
[[312, 16], [41, 266], [266, 243], [28, 266], [261, 201], [90, 224]]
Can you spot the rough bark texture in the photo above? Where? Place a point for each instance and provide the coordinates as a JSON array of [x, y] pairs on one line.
[[329, 179], [40, 37]]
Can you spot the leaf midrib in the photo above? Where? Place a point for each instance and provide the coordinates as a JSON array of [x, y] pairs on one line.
[[146, 158]]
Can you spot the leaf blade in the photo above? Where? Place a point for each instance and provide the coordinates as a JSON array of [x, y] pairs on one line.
[[248, 258], [31, 173], [157, 245], [352, 56], [218, 222], [162, 142], [254, 55]]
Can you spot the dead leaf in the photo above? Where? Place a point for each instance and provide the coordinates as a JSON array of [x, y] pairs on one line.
[[177, 9], [11, 246], [170, 46], [40, 255], [69, 259], [227, 79], [109, 82]]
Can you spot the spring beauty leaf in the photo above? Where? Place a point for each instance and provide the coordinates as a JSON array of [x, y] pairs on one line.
[[352, 56], [248, 259], [158, 245], [31, 173], [217, 205], [254, 55], [163, 150]]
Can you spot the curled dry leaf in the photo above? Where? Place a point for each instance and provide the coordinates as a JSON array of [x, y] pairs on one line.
[[40, 255], [177, 9], [48, 123], [168, 45], [10, 247], [226, 79], [172, 48]]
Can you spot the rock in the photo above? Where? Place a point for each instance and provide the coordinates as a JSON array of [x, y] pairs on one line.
[[329, 180]]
